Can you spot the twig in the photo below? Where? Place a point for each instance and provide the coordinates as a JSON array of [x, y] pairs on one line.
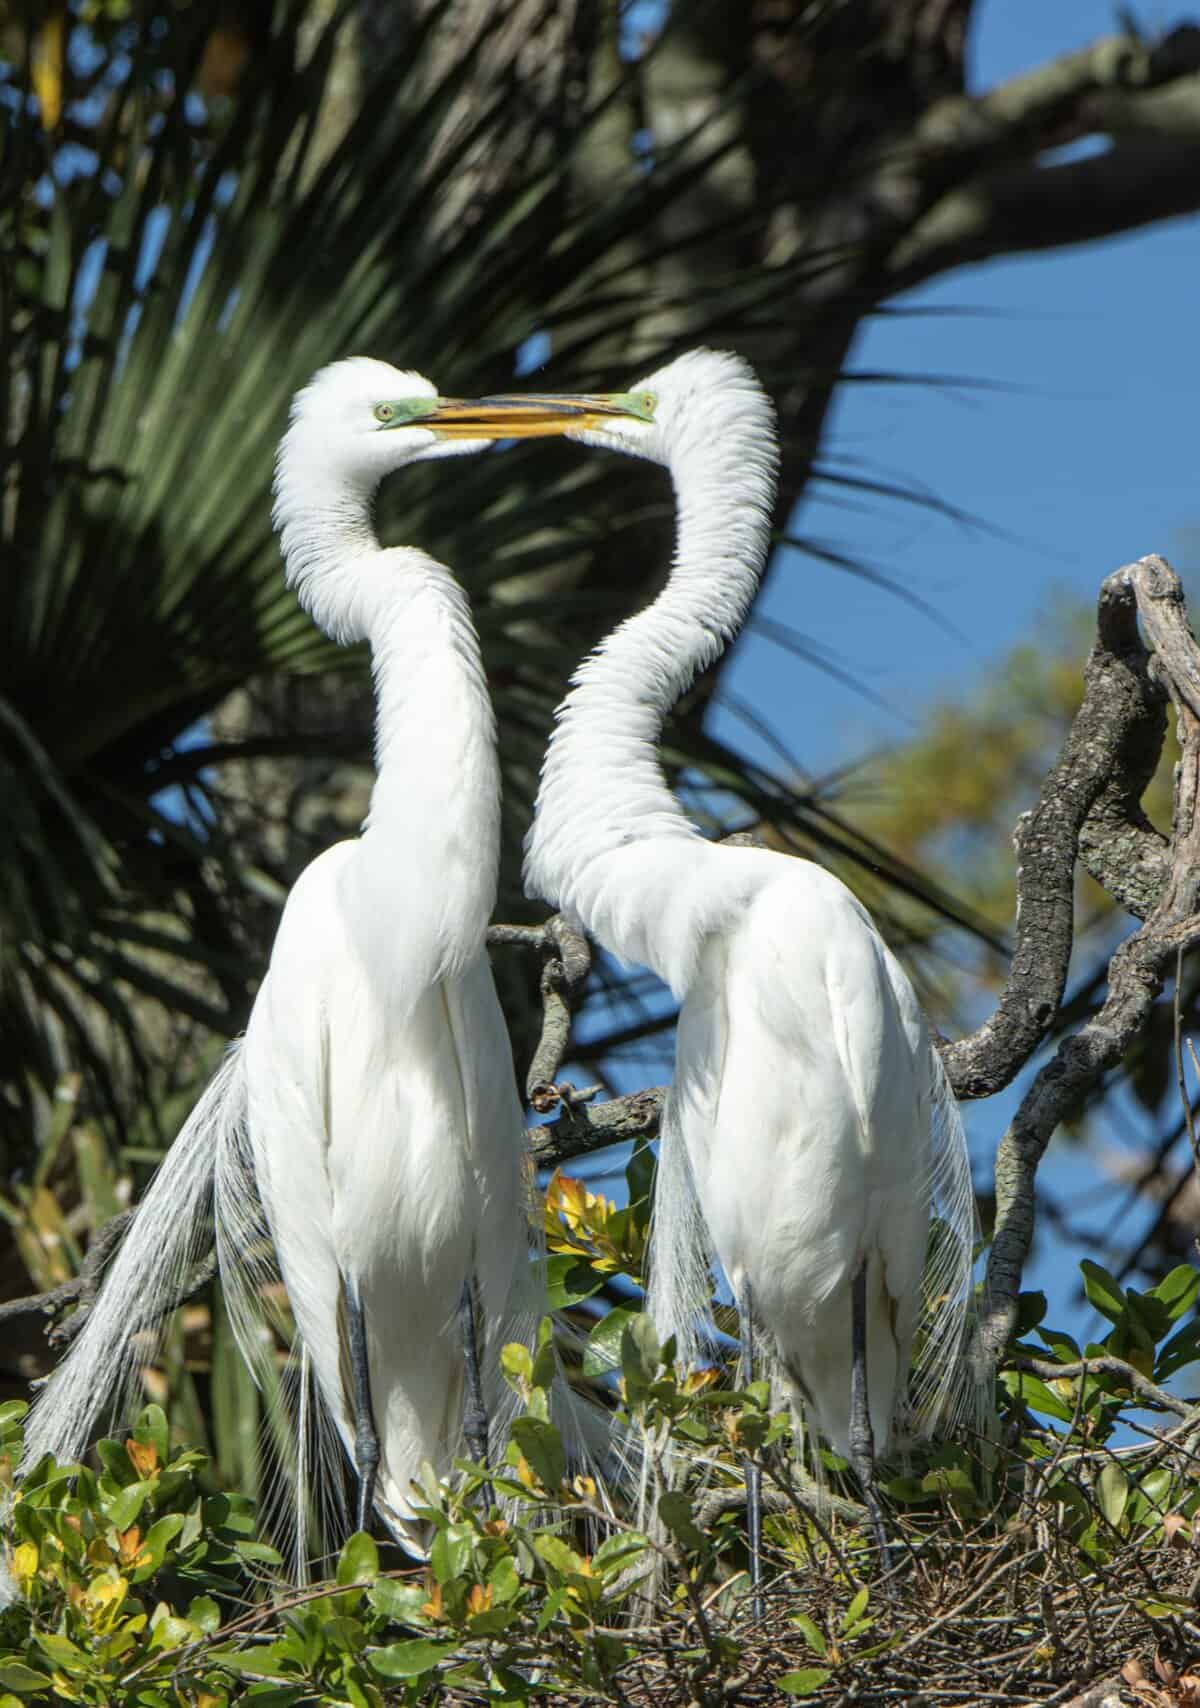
[[566, 963], [1107, 1366], [80, 1290], [581, 1127]]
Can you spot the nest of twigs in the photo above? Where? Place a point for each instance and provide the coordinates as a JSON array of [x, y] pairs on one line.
[[1017, 1619]]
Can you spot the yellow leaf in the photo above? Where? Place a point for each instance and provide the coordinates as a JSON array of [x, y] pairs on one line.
[[433, 1607], [584, 1487], [46, 68], [103, 1600], [524, 1472], [128, 1544], [697, 1380], [480, 1599], [25, 1565], [143, 1456], [64, 1688]]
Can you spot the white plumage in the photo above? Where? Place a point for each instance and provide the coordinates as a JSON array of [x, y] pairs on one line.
[[809, 1114], [371, 1110]]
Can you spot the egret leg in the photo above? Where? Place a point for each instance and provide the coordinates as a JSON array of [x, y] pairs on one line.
[[862, 1440], [366, 1440], [750, 1468], [475, 1418]]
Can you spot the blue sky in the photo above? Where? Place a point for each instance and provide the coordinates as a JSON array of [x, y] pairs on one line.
[[1090, 458]]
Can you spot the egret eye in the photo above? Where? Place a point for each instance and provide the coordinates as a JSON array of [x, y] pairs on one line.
[[385, 411]]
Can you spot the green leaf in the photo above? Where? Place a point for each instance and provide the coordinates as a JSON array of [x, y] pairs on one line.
[[569, 1280], [1177, 1291], [1182, 1349], [504, 1581], [1031, 1308], [806, 1682], [155, 1543], [640, 1355], [117, 1463], [542, 1448], [358, 1560], [399, 1601], [675, 1510], [17, 1676], [602, 1354], [151, 1431], [557, 1554], [618, 1553], [408, 1660], [812, 1634], [123, 1508], [1112, 1489], [450, 1555], [1063, 1347], [856, 1609], [1102, 1289], [204, 1614], [1036, 1395]]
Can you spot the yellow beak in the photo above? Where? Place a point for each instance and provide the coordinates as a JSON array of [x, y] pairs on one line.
[[530, 417]]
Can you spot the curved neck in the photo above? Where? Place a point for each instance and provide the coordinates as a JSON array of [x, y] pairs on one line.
[[603, 786], [430, 848]]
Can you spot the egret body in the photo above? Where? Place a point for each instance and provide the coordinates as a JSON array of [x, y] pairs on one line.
[[370, 1115], [808, 1115]]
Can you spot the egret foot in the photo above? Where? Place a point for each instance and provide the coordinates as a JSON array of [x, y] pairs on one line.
[[862, 1440], [475, 1418], [366, 1440], [750, 1468]]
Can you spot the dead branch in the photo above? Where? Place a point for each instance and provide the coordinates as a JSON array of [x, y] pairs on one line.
[[583, 1127], [566, 963], [81, 1290], [1112, 748], [1137, 969]]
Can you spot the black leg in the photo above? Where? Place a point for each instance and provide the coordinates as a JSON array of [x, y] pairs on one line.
[[366, 1441], [475, 1418], [750, 1467], [862, 1441]]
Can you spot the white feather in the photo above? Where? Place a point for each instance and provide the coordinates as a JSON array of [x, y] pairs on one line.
[[367, 1134], [809, 1127]]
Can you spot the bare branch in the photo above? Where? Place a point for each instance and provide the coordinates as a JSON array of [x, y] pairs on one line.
[[1137, 969], [81, 1290], [1117, 733], [566, 963], [583, 1127]]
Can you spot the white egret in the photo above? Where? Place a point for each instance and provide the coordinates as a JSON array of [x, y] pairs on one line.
[[371, 1109], [809, 1113]]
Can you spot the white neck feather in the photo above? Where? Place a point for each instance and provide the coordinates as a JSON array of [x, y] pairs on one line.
[[603, 789], [430, 848]]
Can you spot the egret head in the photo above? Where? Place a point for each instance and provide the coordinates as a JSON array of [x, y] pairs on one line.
[[359, 419]]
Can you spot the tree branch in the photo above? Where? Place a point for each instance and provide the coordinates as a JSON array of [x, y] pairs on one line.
[[1136, 182], [1117, 734], [566, 963], [1136, 971], [1142, 1386]]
